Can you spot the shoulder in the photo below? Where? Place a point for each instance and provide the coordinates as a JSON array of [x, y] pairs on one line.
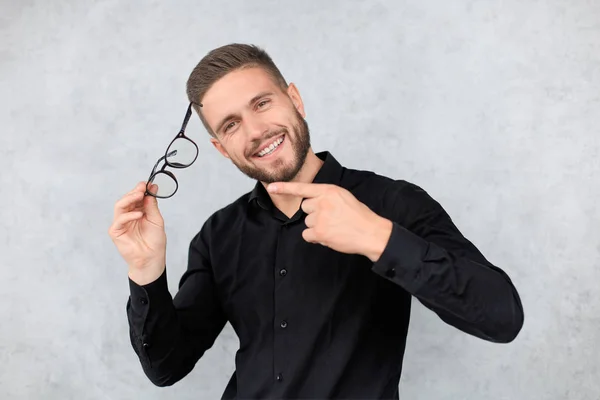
[[387, 188], [390, 196]]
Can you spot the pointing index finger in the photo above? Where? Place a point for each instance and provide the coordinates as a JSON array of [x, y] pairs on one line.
[[297, 189]]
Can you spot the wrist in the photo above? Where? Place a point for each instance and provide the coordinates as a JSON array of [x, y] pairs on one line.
[[378, 238], [144, 276]]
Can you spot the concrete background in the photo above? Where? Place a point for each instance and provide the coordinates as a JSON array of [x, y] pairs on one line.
[[493, 108]]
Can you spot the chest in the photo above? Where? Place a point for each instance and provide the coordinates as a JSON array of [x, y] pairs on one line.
[[269, 270]]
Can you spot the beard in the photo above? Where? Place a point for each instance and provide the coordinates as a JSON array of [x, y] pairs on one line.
[[279, 170]]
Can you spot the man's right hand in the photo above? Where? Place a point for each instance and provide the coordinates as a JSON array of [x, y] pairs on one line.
[[138, 231]]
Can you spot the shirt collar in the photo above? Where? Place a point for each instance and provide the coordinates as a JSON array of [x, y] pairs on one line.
[[330, 172]]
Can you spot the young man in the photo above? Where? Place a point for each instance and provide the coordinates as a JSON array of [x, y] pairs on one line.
[[314, 268]]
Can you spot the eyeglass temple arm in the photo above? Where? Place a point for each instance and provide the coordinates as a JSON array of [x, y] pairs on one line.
[[172, 153], [154, 169], [156, 165], [186, 119]]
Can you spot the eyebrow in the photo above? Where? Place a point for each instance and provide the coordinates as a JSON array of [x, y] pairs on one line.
[[232, 115]]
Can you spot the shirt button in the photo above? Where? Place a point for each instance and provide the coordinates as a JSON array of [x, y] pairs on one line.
[[146, 345], [390, 273], [283, 324], [144, 301], [283, 272], [279, 377]]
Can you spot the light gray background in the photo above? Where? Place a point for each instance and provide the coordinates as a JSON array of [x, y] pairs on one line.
[[493, 108]]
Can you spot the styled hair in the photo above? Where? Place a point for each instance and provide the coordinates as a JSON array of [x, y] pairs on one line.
[[221, 61]]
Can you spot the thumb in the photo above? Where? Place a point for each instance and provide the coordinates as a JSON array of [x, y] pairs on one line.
[[151, 208]]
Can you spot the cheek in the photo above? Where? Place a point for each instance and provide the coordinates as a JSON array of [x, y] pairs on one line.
[[241, 150], [234, 148]]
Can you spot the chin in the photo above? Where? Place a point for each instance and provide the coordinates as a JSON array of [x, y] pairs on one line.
[[282, 167]]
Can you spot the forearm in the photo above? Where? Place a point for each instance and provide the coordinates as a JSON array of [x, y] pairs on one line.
[[474, 296], [167, 343]]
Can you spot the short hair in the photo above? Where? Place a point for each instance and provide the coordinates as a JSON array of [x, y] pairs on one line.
[[221, 61]]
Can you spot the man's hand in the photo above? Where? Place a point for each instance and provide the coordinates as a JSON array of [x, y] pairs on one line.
[[138, 232], [336, 219]]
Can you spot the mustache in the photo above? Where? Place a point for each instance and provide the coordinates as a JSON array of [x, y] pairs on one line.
[[261, 141]]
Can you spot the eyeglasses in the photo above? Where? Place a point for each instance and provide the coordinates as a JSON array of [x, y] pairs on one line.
[[181, 153]]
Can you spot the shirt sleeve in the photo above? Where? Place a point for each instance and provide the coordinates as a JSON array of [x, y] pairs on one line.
[[169, 335], [428, 256]]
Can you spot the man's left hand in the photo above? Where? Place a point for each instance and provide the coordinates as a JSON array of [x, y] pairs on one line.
[[336, 219]]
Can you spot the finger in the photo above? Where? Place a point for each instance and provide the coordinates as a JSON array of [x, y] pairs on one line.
[[150, 204], [305, 190], [127, 202], [153, 187], [309, 235], [309, 205], [310, 220], [120, 223]]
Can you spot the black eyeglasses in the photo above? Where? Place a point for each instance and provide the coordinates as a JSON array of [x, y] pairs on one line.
[[181, 153]]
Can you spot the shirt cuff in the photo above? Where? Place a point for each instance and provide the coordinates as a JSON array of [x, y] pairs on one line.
[[142, 297], [402, 258]]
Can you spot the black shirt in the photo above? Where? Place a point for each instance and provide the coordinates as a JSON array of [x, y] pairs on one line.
[[313, 322]]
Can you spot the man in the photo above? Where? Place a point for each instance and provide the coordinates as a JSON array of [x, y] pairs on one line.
[[314, 268]]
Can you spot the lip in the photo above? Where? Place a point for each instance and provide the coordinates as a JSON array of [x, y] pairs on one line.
[[255, 155]]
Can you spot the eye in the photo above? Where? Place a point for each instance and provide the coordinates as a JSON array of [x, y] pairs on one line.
[[262, 103], [229, 126]]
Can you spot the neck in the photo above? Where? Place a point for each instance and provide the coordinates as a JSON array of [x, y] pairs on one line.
[[290, 204], [309, 170]]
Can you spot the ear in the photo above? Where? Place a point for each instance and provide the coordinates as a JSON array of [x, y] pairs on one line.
[[219, 147], [294, 95]]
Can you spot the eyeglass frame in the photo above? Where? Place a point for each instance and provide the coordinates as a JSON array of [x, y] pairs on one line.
[[154, 173]]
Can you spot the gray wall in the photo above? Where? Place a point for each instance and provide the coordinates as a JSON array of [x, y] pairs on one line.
[[493, 108]]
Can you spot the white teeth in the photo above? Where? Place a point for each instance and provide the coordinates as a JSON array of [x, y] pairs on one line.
[[269, 149]]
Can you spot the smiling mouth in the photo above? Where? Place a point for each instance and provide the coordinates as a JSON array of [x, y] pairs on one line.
[[271, 148]]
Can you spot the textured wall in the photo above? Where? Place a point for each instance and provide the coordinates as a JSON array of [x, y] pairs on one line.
[[493, 108]]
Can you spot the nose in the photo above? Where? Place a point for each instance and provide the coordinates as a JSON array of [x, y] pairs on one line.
[[256, 128]]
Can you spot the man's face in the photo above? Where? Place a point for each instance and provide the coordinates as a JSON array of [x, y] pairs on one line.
[[259, 126]]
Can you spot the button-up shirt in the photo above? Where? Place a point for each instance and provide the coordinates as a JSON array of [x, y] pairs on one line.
[[313, 322]]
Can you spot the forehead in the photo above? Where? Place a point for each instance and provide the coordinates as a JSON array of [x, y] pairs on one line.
[[235, 89]]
